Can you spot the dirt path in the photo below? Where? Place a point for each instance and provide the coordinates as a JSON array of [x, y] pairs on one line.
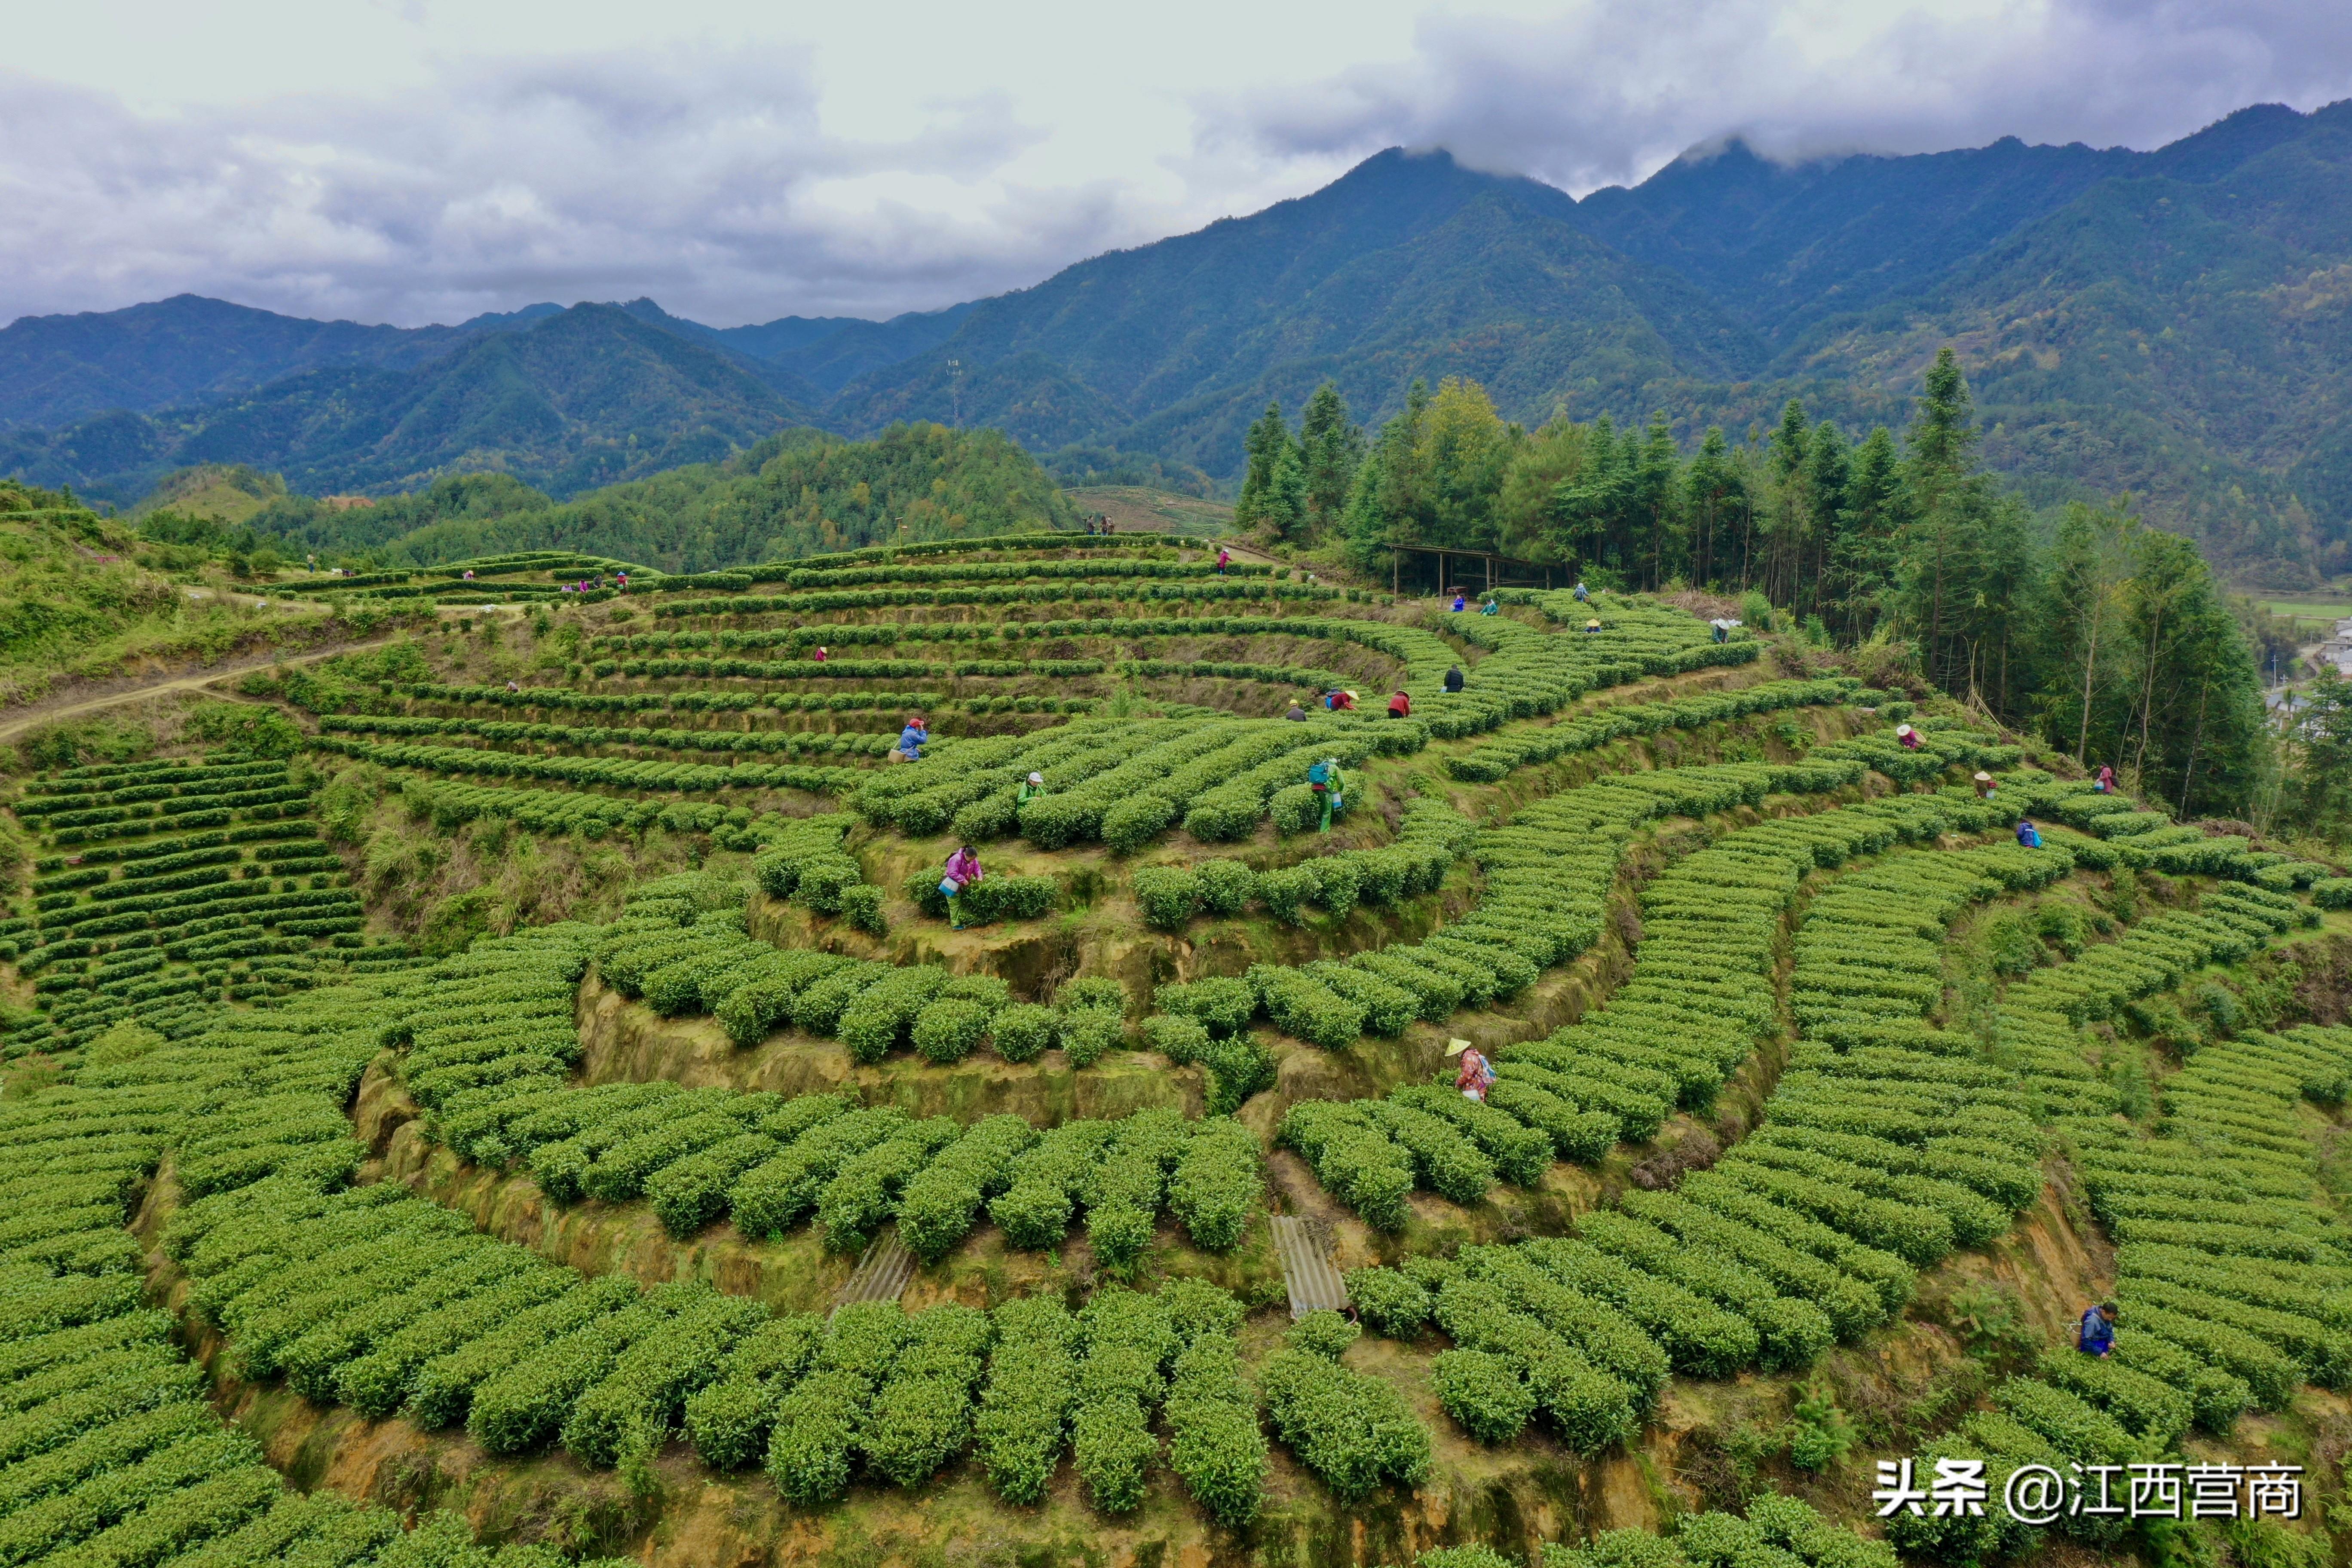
[[49, 712]]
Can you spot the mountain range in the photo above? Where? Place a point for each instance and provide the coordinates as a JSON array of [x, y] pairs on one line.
[[2172, 323]]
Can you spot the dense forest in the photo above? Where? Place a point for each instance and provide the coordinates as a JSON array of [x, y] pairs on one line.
[[2110, 637], [795, 493]]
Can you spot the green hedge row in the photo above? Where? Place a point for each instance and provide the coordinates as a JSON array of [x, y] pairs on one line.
[[792, 743]]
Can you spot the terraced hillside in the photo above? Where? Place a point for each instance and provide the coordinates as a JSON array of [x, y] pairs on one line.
[[558, 1113]]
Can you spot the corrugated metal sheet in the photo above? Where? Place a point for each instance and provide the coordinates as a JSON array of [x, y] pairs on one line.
[[1307, 1268], [882, 1274]]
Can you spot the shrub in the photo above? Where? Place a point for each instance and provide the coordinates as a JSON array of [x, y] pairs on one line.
[[947, 1032], [1222, 1005], [1089, 1034], [1218, 1182], [1091, 991], [1324, 1333], [1390, 1303], [1178, 1038], [1483, 1394], [1022, 1032], [1226, 886], [1353, 1431], [824, 879], [1286, 892], [862, 907], [1168, 895]]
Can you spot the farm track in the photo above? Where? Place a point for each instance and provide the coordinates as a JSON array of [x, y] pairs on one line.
[[51, 713]]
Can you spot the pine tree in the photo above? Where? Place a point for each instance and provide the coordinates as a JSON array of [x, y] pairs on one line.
[[1864, 561], [2078, 647], [1790, 517], [1283, 502], [1332, 446], [1828, 467], [1390, 504], [1654, 497], [1268, 440], [2319, 797], [1946, 498], [1713, 495]]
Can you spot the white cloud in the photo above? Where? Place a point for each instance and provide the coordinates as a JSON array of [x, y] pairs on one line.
[[1605, 92], [411, 160], [703, 176]]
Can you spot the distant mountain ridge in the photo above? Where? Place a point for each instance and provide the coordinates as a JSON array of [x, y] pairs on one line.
[[2177, 323]]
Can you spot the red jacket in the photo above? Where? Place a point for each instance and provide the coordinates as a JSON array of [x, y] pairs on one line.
[[1401, 705]]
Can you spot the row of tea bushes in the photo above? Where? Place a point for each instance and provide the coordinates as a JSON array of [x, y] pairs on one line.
[[1754, 1262], [375, 1297], [565, 698], [158, 919], [1430, 836], [1122, 594], [790, 742], [109, 1450], [1700, 998], [1495, 759], [597, 772]]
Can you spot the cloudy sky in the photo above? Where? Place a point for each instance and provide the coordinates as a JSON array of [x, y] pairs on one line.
[[413, 161]]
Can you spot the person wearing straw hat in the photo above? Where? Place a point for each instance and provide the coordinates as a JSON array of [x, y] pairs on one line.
[[1984, 784], [1031, 788], [1592, 626], [1908, 736], [821, 654], [1474, 1074]]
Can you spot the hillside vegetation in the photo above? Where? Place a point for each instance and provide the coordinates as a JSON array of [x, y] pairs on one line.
[[536, 1057], [85, 596], [792, 494]]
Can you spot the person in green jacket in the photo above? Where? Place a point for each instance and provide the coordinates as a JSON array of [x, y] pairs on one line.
[[1031, 788], [1323, 778]]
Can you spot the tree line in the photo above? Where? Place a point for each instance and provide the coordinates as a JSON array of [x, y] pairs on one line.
[[2110, 638]]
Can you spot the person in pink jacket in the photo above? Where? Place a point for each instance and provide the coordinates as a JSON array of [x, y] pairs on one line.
[[963, 872]]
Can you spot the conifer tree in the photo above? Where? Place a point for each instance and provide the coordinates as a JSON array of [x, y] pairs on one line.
[[1267, 440], [1331, 447]]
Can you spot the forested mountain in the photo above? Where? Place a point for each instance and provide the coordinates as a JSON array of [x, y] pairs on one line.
[[792, 494], [585, 397], [55, 369], [2169, 323]]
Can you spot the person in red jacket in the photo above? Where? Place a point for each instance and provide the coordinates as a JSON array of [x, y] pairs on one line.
[[1475, 1076], [822, 656], [1400, 705]]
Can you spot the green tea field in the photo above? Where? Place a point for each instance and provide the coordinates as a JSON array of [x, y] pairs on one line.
[[527, 1095]]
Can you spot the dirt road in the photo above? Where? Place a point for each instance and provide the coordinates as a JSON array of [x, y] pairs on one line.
[[49, 712]]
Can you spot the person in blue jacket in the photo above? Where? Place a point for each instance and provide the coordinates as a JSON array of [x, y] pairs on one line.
[[2027, 834], [1460, 604], [1583, 594], [911, 738], [2097, 1335]]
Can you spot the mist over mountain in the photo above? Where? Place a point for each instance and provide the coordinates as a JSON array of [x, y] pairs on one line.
[[2172, 323]]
